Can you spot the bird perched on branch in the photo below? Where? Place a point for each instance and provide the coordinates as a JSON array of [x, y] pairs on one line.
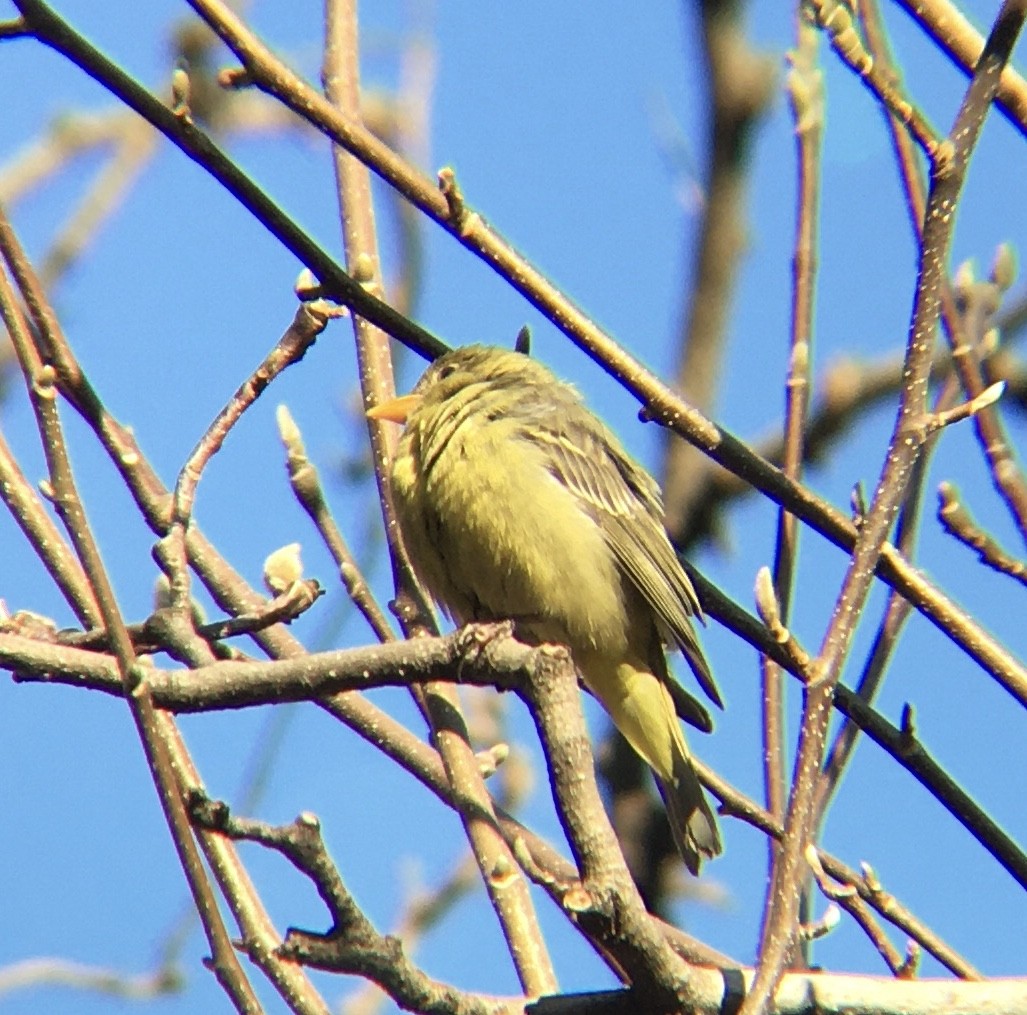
[[516, 502]]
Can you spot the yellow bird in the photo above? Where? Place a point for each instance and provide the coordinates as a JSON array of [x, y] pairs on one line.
[[516, 502]]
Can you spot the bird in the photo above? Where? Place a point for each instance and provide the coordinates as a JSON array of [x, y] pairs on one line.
[[515, 502]]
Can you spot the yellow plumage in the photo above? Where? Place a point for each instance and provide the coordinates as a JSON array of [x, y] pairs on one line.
[[515, 502]]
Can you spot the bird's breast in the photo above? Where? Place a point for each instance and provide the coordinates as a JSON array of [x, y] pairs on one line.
[[494, 535]]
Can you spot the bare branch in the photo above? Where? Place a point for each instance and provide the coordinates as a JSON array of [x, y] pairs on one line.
[[352, 945], [957, 522]]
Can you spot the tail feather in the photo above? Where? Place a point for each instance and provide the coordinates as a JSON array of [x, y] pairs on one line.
[[642, 708], [691, 820]]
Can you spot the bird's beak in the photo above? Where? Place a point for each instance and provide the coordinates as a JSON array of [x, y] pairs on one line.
[[396, 409]]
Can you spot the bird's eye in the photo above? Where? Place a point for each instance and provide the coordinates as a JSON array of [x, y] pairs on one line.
[[447, 370]]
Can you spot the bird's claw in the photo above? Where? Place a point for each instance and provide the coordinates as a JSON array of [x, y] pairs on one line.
[[474, 638]]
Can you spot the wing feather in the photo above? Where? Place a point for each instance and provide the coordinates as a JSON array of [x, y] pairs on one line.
[[626, 503]]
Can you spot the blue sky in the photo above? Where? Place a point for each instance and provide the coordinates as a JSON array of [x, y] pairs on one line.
[[553, 117]]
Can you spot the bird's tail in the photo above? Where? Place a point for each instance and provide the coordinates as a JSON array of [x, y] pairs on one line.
[[691, 820], [641, 707]]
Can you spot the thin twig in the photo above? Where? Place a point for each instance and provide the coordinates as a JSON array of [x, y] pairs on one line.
[[805, 91], [836, 19], [846, 896], [306, 485], [957, 522], [45, 538], [310, 320]]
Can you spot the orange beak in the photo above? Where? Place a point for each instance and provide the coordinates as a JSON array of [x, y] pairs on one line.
[[396, 409]]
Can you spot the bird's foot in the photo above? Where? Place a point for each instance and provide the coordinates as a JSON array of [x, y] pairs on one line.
[[476, 637]]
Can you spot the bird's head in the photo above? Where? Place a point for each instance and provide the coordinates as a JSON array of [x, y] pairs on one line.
[[473, 370]]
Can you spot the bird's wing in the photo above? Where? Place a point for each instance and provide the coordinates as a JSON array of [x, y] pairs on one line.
[[625, 502]]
